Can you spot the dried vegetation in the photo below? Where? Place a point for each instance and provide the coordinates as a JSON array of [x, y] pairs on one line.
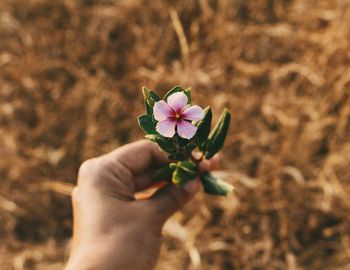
[[70, 79]]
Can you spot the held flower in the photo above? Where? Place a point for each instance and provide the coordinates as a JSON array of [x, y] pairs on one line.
[[176, 116]]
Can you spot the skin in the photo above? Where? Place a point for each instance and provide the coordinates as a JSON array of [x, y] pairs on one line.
[[113, 230]]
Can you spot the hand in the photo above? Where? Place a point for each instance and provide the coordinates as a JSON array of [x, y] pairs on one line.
[[112, 230]]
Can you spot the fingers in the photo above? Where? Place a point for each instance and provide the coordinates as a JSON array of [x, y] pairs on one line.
[[138, 156], [166, 201], [145, 180], [140, 159], [132, 165], [209, 164], [171, 198]]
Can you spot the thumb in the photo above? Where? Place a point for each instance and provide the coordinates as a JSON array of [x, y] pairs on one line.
[[172, 198]]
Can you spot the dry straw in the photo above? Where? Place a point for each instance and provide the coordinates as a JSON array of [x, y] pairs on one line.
[[69, 90]]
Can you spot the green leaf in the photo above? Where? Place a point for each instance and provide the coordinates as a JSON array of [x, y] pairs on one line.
[[218, 135], [176, 157], [188, 94], [191, 145], [186, 145], [174, 90], [204, 128], [187, 164], [150, 98], [180, 141], [151, 137], [172, 165], [164, 173], [185, 171], [165, 144], [146, 123], [149, 109], [154, 96], [215, 186]]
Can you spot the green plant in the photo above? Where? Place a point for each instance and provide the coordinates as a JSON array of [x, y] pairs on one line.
[[179, 128]]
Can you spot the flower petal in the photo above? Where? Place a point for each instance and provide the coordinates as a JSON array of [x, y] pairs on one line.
[[166, 127], [185, 129], [193, 113], [162, 110], [177, 101]]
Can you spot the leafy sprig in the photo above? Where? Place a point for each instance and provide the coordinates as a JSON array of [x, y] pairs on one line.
[[183, 166]]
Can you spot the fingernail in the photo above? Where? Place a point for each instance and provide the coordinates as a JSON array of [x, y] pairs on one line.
[[191, 187], [196, 154]]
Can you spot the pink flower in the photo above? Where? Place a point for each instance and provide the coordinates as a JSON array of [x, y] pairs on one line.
[[176, 114]]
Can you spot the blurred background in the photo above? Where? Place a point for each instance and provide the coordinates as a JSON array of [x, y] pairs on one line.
[[71, 74]]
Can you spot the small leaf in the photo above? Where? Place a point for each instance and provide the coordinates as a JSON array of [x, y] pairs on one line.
[[164, 173], [180, 141], [186, 145], [146, 95], [185, 171], [149, 109], [191, 145], [154, 96], [174, 90], [150, 98], [165, 144], [218, 135], [204, 128], [188, 94], [146, 123], [150, 137], [187, 164], [215, 186], [172, 165]]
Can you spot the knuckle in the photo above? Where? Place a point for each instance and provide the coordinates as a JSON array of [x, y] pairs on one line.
[[88, 170], [86, 167], [121, 171]]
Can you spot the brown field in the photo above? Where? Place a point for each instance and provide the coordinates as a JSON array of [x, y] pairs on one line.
[[71, 74]]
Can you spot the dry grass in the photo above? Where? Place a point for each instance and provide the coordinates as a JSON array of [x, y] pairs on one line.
[[70, 79]]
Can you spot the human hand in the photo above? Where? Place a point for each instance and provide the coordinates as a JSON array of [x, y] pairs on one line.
[[112, 230]]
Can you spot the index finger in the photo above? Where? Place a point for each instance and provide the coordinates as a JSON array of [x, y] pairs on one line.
[[139, 156]]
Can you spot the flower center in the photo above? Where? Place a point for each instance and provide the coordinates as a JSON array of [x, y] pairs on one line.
[[177, 115]]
